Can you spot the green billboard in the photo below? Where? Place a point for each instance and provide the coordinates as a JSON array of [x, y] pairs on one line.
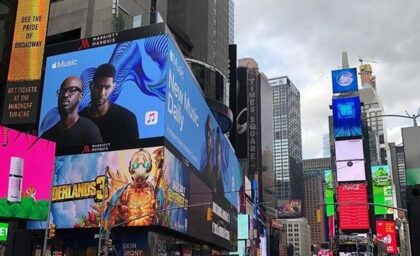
[[382, 189], [329, 193], [3, 231]]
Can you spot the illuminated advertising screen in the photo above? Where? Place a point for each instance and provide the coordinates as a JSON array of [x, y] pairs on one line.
[[3, 231], [136, 187], [117, 89], [411, 141], [353, 209], [243, 226], [351, 171], [329, 193], [344, 80], [382, 189], [349, 150], [192, 129], [289, 208], [347, 121], [26, 174], [20, 103], [385, 232]]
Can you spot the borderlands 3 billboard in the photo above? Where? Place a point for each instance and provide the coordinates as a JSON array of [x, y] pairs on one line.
[[136, 187]]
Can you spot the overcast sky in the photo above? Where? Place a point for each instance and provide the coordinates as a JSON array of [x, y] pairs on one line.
[[304, 40]]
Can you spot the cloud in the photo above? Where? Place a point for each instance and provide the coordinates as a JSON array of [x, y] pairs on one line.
[[305, 42]]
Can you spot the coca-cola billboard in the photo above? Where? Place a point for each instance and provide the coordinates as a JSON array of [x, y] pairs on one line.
[[353, 208]]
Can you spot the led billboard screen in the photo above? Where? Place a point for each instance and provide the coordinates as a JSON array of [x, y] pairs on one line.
[[289, 208], [349, 150], [133, 185], [192, 129], [243, 226], [353, 209], [344, 80], [3, 231], [118, 89], [411, 141], [20, 103], [346, 117], [385, 232], [26, 174], [329, 193], [351, 171], [382, 189]]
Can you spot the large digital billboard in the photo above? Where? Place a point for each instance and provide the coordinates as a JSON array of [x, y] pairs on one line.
[[349, 150], [20, 103], [344, 80], [329, 193], [347, 120], [352, 206], [118, 89], [192, 129], [128, 187], [411, 141], [289, 208], [382, 189], [3, 231], [351, 171], [385, 232], [26, 174]]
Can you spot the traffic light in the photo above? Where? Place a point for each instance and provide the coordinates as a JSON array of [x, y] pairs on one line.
[[318, 215], [51, 232], [209, 214]]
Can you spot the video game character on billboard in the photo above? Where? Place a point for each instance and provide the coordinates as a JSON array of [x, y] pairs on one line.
[[72, 129], [135, 203], [117, 124]]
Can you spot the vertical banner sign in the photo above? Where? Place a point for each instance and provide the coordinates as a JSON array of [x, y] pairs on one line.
[[329, 193], [253, 138], [382, 190], [3, 231], [385, 232], [23, 81]]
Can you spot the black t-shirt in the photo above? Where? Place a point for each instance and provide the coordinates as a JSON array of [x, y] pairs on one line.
[[118, 125], [83, 132]]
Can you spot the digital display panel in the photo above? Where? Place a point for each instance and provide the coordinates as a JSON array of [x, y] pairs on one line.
[[26, 175], [117, 90], [344, 80], [243, 226], [191, 128], [351, 171], [385, 232], [3, 231], [22, 92], [382, 189], [136, 187], [411, 141], [289, 208], [349, 150], [329, 193], [353, 209], [347, 117]]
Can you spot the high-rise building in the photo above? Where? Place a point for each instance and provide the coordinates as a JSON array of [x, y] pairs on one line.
[[398, 174], [231, 22], [287, 146], [313, 171], [373, 113], [326, 149], [298, 235]]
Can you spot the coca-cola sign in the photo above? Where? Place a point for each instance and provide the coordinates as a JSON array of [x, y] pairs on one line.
[[351, 187]]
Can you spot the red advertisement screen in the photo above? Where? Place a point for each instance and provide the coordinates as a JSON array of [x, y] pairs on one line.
[[385, 232], [353, 209]]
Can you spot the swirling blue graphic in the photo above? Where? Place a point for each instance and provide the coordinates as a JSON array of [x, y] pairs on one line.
[[141, 78]]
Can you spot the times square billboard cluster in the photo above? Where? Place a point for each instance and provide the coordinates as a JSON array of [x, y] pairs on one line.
[[350, 163], [154, 146]]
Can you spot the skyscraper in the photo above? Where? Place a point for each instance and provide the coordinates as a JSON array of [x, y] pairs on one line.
[[313, 171], [287, 146]]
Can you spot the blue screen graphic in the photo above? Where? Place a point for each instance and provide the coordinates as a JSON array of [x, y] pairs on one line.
[[140, 81], [192, 129], [347, 117], [344, 80]]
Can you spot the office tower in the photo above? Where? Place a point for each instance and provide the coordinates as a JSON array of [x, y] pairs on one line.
[[287, 148], [398, 174], [372, 110], [231, 22], [326, 150], [313, 171], [298, 235]]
